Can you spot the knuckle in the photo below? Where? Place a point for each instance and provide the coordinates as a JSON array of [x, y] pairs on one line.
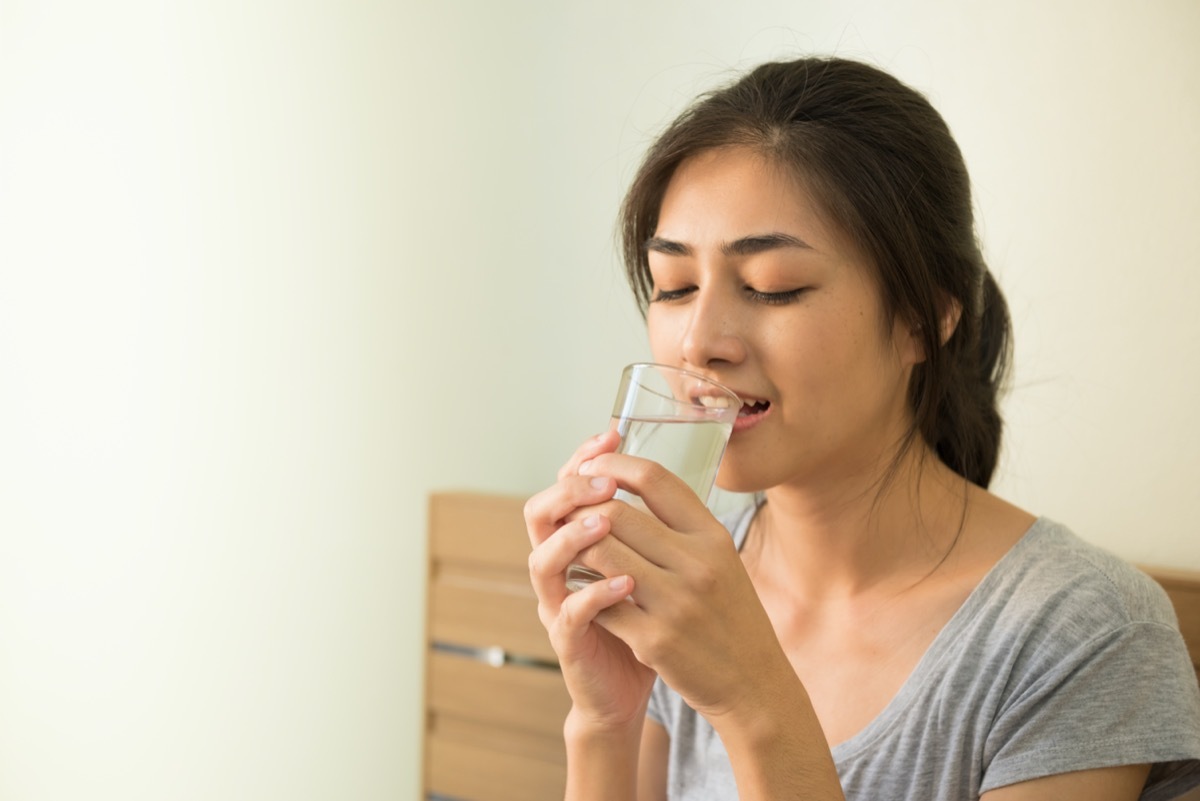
[[529, 510], [612, 509], [707, 586], [598, 553], [705, 578], [590, 555], [568, 616], [537, 510], [654, 648], [688, 605], [650, 474], [701, 582], [581, 487], [545, 616]]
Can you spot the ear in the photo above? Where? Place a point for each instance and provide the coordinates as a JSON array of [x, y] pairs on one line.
[[911, 337], [951, 314], [909, 341]]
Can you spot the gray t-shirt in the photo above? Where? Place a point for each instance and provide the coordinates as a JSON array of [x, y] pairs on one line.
[[1063, 658]]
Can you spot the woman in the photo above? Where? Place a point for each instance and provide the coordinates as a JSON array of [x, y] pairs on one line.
[[879, 625]]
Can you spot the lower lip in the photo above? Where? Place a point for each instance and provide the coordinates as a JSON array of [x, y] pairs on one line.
[[745, 422]]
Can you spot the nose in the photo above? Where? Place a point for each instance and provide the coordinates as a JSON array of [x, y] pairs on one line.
[[713, 335]]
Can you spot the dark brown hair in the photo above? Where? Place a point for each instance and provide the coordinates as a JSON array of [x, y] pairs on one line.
[[881, 163]]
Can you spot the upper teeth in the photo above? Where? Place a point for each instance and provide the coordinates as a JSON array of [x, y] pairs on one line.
[[715, 402]]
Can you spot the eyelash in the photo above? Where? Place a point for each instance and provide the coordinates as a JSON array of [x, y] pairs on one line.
[[769, 298], [666, 296], [776, 298]]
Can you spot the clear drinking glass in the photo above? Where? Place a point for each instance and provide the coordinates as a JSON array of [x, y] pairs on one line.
[[677, 418]]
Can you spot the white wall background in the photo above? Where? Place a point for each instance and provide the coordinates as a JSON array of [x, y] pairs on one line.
[[270, 272]]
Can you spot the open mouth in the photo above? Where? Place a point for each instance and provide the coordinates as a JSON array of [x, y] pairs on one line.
[[751, 413], [754, 408]]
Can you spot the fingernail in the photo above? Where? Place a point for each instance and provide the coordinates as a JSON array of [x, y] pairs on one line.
[[618, 584], [585, 468], [599, 482], [591, 522]]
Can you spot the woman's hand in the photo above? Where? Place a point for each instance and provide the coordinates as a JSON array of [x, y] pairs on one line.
[[696, 618], [682, 606], [608, 686]]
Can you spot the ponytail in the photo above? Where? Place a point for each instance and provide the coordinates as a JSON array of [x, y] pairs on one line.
[[965, 431]]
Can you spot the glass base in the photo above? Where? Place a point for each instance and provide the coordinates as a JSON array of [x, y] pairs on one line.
[[579, 577]]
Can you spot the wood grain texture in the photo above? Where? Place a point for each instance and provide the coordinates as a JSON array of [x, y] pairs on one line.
[[493, 733]]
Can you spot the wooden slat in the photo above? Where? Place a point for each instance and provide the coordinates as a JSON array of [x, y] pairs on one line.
[[493, 734], [477, 611], [470, 527], [1183, 588], [505, 740], [464, 770], [530, 699]]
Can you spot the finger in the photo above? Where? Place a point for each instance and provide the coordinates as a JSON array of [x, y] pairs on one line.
[[546, 511], [637, 541], [549, 561], [665, 495], [601, 443], [627, 621], [579, 610]]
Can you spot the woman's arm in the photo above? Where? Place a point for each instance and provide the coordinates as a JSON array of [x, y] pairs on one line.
[[697, 622], [652, 763], [602, 761], [775, 743], [609, 688], [1123, 783], [605, 764]]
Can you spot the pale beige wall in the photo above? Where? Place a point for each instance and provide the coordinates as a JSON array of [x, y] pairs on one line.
[[270, 272]]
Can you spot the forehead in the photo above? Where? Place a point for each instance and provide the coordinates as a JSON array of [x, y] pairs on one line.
[[727, 193]]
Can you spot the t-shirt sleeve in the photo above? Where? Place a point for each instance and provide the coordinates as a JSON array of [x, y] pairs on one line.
[[1126, 697]]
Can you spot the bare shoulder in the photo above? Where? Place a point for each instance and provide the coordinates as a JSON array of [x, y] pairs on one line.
[[992, 527]]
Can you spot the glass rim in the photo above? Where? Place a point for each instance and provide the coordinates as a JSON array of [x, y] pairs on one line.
[[638, 367]]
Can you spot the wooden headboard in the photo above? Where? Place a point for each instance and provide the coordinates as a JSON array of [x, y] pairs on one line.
[[1183, 588], [494, 698]]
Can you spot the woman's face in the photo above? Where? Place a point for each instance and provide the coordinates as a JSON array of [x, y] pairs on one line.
[[753, 288]]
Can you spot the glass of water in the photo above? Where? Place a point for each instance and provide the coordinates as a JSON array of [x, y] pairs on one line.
[[677, 418]]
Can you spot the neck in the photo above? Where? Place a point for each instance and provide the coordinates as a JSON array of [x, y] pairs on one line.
[[882, 533]]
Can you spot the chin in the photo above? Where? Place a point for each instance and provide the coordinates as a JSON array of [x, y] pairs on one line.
[[731, 479]]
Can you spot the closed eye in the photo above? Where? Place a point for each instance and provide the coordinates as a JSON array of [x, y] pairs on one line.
[[667, 295], [776, 298]]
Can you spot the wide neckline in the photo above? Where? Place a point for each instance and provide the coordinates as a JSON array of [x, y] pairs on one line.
[[938, 649]]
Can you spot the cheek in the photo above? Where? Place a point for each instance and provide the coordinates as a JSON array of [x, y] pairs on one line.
[[664, 334]]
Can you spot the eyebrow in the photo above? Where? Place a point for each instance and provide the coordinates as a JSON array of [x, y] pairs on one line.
[[746, 246]]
